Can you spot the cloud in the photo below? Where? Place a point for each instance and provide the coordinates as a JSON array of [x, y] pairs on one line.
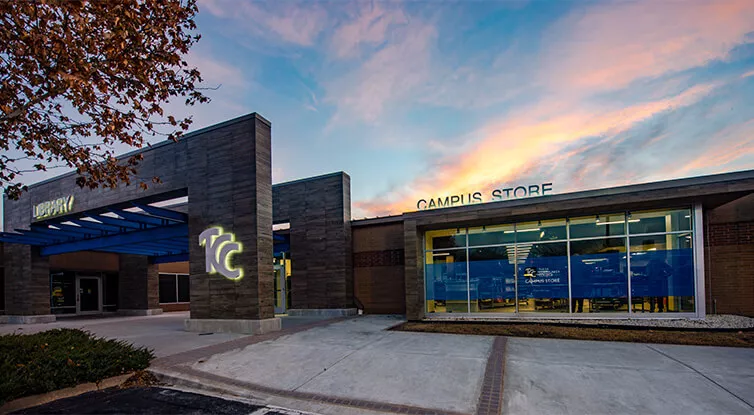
[[370, 27], [613, 44], [391, 74], [527, 140], [294, 22]]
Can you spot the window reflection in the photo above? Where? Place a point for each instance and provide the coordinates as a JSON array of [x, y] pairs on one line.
[[659, 221], [446, 285], [662, 273], [598, 226], [448, 238], [599, 281], [492, 235], [544, 230]]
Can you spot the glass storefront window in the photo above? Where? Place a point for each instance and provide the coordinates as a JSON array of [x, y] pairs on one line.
[[599, 276], [659, 221], [542, 277], [446, 282], [492, 235], [619, 263], [662, 273], [63, 293], [544, 230], [448, 238], [168, 292], [598, 226], [492, 279]]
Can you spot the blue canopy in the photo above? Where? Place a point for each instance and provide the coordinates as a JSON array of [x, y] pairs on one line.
[[153, 231]]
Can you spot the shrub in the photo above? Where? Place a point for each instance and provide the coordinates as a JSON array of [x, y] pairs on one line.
[[37, 363]]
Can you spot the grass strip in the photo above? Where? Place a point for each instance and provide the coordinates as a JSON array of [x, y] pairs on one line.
[[740, 338]]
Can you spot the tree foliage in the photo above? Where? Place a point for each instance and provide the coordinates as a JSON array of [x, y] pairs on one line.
[[79, 77]]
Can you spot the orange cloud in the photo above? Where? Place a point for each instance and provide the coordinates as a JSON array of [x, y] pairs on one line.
[[612, 45], [512, 146]]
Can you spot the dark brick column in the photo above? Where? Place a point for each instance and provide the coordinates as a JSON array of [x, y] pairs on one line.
[[319, 212], [138, 286], [230, 186], [414, 271], [27, 285]]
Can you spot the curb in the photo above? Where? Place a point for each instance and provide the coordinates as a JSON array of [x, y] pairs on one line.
[[41, 399]]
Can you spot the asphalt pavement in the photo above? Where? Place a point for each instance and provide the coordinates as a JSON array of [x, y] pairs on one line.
[[148, 400]]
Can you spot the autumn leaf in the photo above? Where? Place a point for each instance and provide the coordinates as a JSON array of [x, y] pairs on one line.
[[79, 77]]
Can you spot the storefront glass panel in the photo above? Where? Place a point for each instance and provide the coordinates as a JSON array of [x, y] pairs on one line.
[[589, 264], [604, 226], [448, 238], [545, 230], [492, 235], [492, 279], [63, 293], [599, 276], [662, 273], [542, 277], [168, 292], [659, 221], [446, 282]]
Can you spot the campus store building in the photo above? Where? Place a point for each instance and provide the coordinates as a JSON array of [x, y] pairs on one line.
[[679, 248], [218, 238]]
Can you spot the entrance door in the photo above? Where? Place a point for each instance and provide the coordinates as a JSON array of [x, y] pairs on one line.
[[280, 289], [89, 299]]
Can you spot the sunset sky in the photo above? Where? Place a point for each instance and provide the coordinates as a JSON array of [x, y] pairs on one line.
[[434, 98]]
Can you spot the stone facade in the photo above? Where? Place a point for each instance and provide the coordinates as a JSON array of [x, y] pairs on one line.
[[138, 285], [230, 185], [319, 212]]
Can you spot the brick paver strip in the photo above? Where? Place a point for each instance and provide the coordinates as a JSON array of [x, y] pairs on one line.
[[491, 396], [197, 354]]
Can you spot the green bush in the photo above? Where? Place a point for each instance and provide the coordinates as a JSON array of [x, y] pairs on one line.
[[37, 363]]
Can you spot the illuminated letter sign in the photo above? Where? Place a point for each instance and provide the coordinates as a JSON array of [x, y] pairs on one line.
[[50, 208], [218, 247]]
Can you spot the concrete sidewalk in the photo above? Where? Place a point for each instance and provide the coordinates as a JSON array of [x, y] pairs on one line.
[[355, 364], [585, 377], [163, 333]]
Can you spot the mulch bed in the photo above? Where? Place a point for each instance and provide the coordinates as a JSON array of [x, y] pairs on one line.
[[728, 338]]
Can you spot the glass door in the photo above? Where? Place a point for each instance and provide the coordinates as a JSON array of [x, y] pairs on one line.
[[280, 289], [89, 298]]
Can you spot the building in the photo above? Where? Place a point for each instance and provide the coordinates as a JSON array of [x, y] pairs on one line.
[[216, 236]]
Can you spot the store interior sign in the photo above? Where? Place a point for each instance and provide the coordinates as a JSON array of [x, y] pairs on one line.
[[496, 195], [219, 246], [50, 208]]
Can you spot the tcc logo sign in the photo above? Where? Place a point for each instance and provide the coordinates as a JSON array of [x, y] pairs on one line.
[[218, 247]]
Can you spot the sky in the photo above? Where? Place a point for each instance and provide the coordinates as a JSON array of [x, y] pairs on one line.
[[420, 99]]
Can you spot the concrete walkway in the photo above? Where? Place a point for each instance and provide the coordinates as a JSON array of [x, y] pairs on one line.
[[356, 366], [583, 377], [356, 363], [163, 333]]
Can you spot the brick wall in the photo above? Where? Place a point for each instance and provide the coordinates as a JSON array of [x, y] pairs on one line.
[[729, 261], [378, 266]]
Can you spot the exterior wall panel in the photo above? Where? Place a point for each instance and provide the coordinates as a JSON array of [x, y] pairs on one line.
[[378, 264], [319, 212]]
